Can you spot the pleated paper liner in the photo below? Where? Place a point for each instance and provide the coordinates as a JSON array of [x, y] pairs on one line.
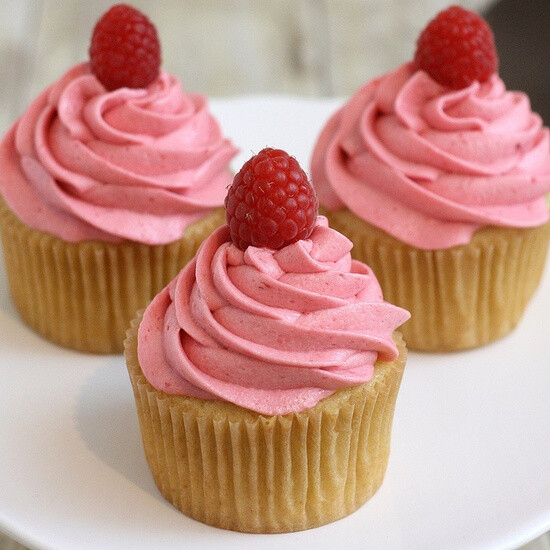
[[235, 469], [462, 297], [84, 295]]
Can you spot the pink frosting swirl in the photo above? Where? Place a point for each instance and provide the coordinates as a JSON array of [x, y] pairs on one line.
[[430, 165], [271, 331], [139, 164]]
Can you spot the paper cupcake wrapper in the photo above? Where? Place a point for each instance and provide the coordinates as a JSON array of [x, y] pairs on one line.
[[235, 469], [461, 297], [83, 295]]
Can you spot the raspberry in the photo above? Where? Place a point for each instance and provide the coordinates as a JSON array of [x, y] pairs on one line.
[[125, 49], [456, 48], [271, 202]]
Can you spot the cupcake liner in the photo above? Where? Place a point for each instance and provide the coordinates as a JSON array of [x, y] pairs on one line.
[[235, 469], [461, 297], [83, 295]]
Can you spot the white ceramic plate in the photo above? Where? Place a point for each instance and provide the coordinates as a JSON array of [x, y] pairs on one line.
[[470, 461]]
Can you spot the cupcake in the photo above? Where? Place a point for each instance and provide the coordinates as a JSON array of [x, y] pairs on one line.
[[266, 373], [438, 175], [110, 181]]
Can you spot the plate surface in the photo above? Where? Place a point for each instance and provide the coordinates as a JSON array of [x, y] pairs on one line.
[[470, 461]]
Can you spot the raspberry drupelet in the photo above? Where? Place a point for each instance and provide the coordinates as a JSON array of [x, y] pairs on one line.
[[271, 202]]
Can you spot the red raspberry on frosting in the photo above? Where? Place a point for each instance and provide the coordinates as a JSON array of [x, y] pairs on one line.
[[125, 49], [456, 48], [271, 202]]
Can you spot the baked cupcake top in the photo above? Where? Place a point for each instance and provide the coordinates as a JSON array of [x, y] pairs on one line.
[[141, 161], [433, 151], [273, 330]]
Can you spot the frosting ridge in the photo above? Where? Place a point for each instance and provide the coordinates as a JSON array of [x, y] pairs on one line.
[[431, 165], [271, 331], [140, 164]]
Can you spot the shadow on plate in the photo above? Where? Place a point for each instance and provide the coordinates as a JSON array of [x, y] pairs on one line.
[[6, 304], [17, 338], [106, 420]]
